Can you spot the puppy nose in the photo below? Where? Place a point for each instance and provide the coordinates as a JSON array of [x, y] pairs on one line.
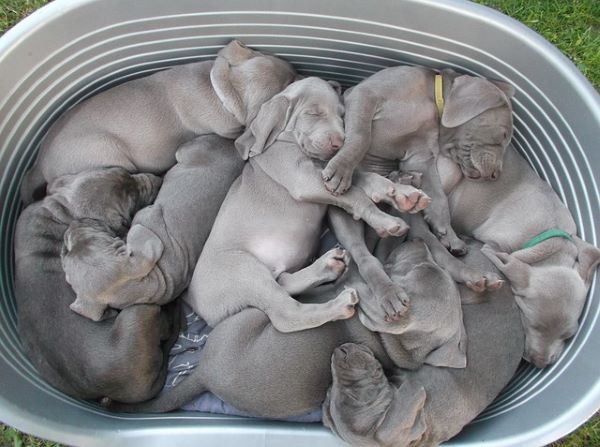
[[539, 360], [336, 141]]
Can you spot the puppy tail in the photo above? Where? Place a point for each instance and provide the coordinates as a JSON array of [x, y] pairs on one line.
[[34, 186], [168, 399]]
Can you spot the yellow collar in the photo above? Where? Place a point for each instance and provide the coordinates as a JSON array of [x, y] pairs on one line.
[[439, 93]]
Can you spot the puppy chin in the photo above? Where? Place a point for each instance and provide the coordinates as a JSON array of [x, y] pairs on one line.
[[313, 151]]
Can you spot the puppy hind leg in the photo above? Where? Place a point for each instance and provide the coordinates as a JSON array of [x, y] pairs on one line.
[[288, 315], [329, 267], [437, 214]]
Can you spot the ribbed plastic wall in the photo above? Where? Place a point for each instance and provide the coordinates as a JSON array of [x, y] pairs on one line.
[[70, 50]]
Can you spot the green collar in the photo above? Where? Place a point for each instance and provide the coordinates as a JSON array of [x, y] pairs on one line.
[[548, 234]]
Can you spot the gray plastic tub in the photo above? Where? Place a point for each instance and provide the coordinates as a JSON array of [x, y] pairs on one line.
[[70, 50]]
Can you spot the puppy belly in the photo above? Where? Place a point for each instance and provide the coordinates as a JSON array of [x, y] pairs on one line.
[[282, 254]]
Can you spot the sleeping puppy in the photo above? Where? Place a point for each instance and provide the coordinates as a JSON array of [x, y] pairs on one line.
[[250, 364], [165, 239], [270, 221], [431, 405], [140, 124], [392, 119], [122, 358], [551, 276]]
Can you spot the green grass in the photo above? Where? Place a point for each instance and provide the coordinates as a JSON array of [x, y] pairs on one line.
[[10, 437], [11, 11], [572, 25]]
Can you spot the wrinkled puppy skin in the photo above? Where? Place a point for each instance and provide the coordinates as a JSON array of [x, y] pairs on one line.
[[454, 396], [140, 124], [123, 357], [363, 408], [551, 279]]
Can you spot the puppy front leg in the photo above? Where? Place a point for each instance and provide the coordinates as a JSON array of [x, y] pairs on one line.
[[403, 197], [388, 301], [361, 106], [437, 214]]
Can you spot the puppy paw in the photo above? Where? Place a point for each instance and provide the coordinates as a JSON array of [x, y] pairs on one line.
[[408, 199], [345, 303], [337, 177], [488, 281], [386, 225], [451, 241], [394, 303], [334, 263]]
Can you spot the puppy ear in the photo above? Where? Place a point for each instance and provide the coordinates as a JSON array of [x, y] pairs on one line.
[[200, 151], [224, 88], [469, 97], [452, 354], [144, 249], [92, 309], [60, 182], [264, 129], [336, 86], [517, 272], [148, 187], [235, 52], [588, 259], [506, 88]]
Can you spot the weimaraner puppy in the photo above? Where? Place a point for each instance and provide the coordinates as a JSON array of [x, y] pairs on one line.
[[121, 358], [140, 124], [392, 118], [433, 334], [549, 275], [431, 405], [156, 263], [268, 226]]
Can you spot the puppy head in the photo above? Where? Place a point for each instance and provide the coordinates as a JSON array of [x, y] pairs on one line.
[[353, 363], [550, 298], [433, 332], [244, 79], [310, 110], [364, 409], [477, 126], [111, 195], [98, 265]]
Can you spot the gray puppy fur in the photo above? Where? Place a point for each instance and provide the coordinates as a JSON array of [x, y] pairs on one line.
[[288, 373], [276, 209], [123, 358], [391, 118], [431, 405], [376, 313], [156, 262], [550, 280], [140, 124]]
